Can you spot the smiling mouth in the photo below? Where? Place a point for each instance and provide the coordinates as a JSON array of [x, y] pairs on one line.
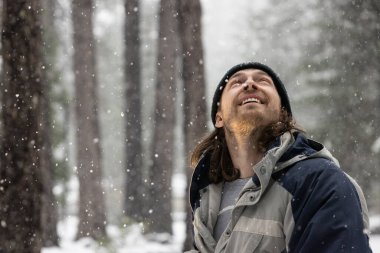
[[251, 100]]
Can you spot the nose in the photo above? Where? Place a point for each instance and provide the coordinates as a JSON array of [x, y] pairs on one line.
[[249, 84]]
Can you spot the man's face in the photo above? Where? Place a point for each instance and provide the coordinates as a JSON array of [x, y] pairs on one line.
[[248, 101]]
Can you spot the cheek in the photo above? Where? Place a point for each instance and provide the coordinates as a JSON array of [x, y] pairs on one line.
[[277, 101], [274, 112], [276, 105], [224, 102]]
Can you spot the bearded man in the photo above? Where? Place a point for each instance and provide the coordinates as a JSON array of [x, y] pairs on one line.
[[259, 185]]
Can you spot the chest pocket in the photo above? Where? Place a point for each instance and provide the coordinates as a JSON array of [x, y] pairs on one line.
[[244, 242], [260, 226], [256, 235]]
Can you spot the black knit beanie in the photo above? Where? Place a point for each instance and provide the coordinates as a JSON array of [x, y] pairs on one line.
[[250, 65]]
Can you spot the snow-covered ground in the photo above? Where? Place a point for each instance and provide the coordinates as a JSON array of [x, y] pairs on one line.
[[129, 239]]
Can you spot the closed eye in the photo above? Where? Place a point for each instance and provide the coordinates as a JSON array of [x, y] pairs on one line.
[[236, 82], [264, 81]]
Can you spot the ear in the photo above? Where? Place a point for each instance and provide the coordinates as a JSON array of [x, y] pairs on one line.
[[218, 120]]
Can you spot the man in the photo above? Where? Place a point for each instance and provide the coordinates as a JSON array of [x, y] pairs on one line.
[[260, 185]]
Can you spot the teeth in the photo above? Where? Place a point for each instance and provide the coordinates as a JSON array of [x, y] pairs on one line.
[[255, 100]]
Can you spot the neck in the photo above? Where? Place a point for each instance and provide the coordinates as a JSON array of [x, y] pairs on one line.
[[244, 150]]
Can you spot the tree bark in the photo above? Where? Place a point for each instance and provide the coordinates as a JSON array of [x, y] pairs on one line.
[[92, 218], [134, 184], [195, 107], [22, 90], [159, 212]]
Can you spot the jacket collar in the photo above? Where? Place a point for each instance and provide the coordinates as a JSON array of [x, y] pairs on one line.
[[286, 150]]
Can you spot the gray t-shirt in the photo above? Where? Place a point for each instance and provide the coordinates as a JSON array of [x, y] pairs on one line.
[[230, 195]]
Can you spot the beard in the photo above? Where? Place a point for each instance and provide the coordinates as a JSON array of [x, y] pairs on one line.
[[252, 122], [246, 124], [261, 128], [249, 120]]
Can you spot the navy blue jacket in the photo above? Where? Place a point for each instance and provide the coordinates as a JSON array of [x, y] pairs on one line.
[[299, 200]]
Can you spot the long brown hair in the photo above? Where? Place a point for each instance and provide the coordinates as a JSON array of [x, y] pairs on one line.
[[221, 167]]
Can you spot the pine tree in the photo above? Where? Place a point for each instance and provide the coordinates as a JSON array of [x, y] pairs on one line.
[[92, 217], [194, 106], [134, 184], [49, 204], [159, 202], [344, 64], [22, 96]]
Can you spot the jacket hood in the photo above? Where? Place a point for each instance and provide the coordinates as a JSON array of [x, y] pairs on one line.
[[286, 150]]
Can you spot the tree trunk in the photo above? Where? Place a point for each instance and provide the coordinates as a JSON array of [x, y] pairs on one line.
[[49, 216], [92, 218], [134, 184], [195, 107], [1, 21], [159, 213], [22, 90], [49, 208]]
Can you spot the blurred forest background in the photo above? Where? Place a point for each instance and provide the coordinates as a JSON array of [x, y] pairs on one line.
[[102, 102]]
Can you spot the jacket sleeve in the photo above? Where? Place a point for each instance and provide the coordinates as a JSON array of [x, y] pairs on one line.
[[328, 210]]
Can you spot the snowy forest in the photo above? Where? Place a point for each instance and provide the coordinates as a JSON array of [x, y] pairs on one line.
[[102, 101]]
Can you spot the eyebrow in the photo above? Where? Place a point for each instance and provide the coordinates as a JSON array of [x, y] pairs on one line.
[[260, 72], [236, 75]]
